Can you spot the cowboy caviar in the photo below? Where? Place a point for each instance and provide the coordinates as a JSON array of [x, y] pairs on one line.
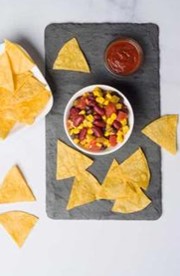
[[98, 120]]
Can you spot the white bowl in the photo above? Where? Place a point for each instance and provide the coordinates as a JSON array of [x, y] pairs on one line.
[[37, 73], [89, 89]]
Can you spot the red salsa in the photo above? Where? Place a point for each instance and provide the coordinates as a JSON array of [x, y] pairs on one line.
[[123, 56]]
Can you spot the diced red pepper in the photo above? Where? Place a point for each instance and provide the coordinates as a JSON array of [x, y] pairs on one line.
[[93, 146], [81, 103], [113, 140], [110, 109], [121, 116]]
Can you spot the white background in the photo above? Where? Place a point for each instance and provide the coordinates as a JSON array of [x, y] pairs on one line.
[[90, 248]]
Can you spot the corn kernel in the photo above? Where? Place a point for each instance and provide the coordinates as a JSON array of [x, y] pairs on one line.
[[81, 126], [104, 117], [89, 131], [76, 141], [87, 124], [100, 100], [98, 144], [71, 132], [106, 133], [125, 129], [76, 131], [111, 119], [107, 144], [114, 99], [90, 118], [104, 141], [106, 102], [97, 92], [120, 137], [123, 122], [83, 142], [108, 96], [113, 116], [89, 138], [82, 112], [109, 129], [119, 106]]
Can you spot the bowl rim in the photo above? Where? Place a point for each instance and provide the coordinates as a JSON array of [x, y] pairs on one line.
[[81, 92], [138, 47]]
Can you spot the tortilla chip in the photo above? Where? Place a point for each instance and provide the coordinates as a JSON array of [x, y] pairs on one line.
[[163, 132], [114, 183], [6, 126], [84, 190], [136, 169], [133, 202], [70, 57], [6, 77], [20, 60], [20, 79], [18, 224], [7, 120], [15, 188], [31, 98], [70, 162], [120, 179]]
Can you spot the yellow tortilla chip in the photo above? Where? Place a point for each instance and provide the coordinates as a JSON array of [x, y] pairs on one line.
[[6, 107], [7, 120], [114, 183], [132, 202], [136, 169], [20, 79], [30, 98], [163, 132], [84, 190], [20, 60], [6, 77], [6, 126], [18, 224], [70, 162], [121, 179], [15, 188], [70, 57]]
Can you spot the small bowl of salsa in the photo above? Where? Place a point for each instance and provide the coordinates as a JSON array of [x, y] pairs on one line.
[[123, 56], [98, 119]]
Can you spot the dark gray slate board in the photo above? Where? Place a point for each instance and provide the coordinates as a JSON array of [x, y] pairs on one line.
[[143, 91]]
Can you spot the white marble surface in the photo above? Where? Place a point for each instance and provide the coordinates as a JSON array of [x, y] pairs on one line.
[[90, 248]]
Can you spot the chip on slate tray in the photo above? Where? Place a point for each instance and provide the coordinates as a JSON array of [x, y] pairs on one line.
[[84, 190], [163, 132], [18, 224], [70, 162], [14, 187], [113, 183], [137, 169], [120, 179], [71, 57], [132, 202]]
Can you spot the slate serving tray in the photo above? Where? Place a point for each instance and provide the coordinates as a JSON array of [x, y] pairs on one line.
[[143, 91]]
